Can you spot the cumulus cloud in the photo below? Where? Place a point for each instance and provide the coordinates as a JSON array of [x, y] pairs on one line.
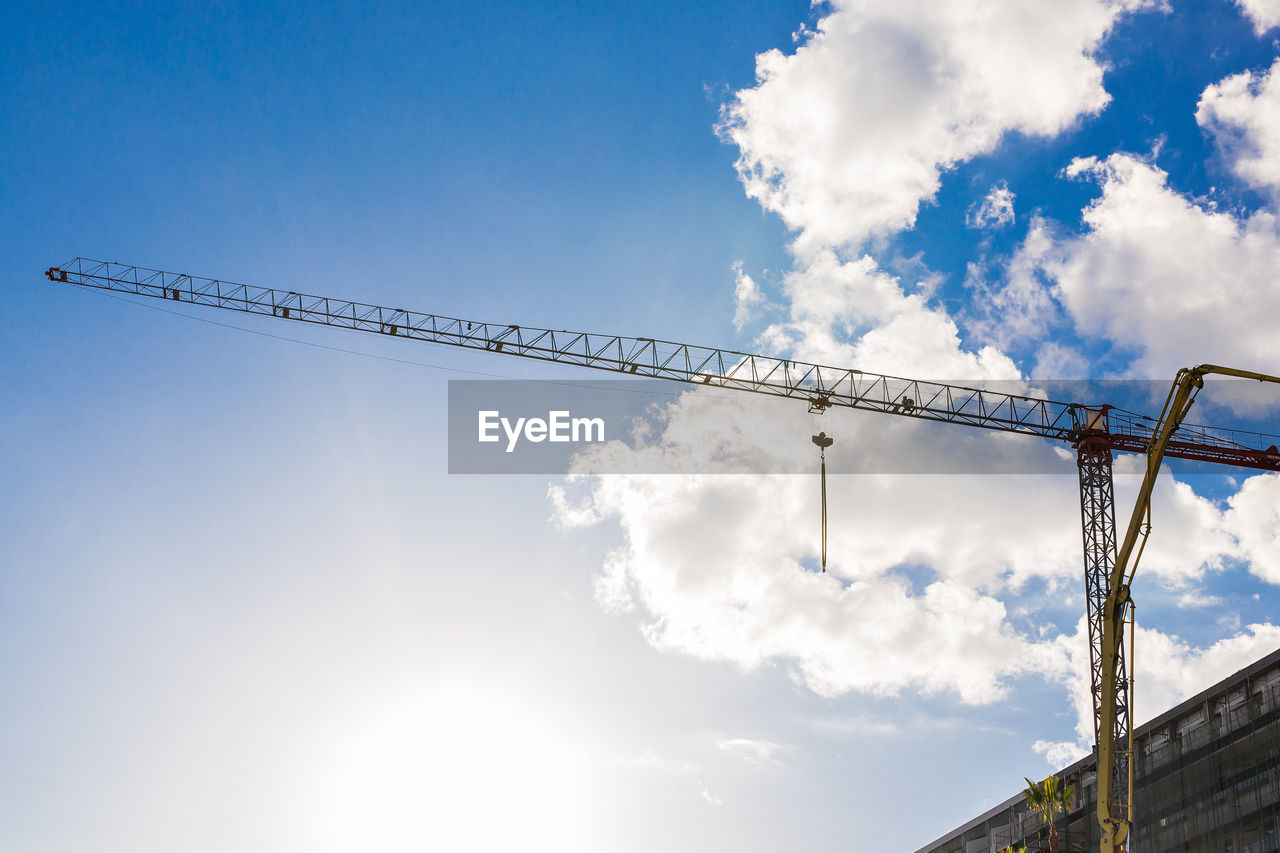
[[1059, 754], [934, 581], [1197, 598], [1154, 270], [855, 313], [747, 298], [994, 211], [1264, 14], [1253, 514], [1019, 307], [1243, 114], [1171, 670], [1058, 361], [847, 136], [722, 568], [1190, 535], [1167, 670]]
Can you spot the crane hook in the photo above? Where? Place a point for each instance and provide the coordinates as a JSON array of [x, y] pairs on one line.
[[823, 441]]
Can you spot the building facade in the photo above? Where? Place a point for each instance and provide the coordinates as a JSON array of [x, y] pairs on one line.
[[1206, 779]]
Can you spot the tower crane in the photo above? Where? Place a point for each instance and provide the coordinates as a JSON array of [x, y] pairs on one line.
[[1095, 431]]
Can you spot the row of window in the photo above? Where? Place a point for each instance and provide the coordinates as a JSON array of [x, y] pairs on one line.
[[1226, 799]]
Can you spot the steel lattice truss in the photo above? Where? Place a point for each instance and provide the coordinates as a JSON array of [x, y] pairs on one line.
[[1098, 523], [822, 386]]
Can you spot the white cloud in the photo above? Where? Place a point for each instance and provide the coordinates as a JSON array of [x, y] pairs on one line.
[[747, 297], [921, 567], [1254, 517], [994, 211], [855, 313], [762, 753], [718, 576], [1243, 113], [1198, 599], [844, 139], [1166, 669], [1060, 754], [711, 798], [1190, 535], [1020, 307], [1155, 271], [1057, 361], [848, 135], [1264, 14]]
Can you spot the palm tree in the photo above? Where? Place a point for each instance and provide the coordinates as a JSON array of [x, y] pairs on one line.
[[1048, 799]]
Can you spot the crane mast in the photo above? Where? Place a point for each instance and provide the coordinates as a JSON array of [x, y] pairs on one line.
[[1095, 431]]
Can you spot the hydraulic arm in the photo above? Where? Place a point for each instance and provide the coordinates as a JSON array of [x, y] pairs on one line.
[[1115, 788]]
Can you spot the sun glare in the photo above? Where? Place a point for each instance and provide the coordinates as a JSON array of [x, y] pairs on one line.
[[456, 772]]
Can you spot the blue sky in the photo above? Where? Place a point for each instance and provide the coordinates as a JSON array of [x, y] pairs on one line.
[[243, 605]]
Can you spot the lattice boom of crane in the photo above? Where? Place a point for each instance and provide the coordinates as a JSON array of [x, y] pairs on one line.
[[822, 386]]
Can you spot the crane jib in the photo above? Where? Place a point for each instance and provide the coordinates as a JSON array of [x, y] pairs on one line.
[[820, 385]]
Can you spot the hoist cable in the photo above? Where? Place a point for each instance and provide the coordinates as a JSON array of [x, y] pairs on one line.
[[824, 510]]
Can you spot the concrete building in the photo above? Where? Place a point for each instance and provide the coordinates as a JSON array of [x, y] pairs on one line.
[[1207, 780]]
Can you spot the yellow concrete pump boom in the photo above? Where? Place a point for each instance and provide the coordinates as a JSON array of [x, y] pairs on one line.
[[1115, 812]]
